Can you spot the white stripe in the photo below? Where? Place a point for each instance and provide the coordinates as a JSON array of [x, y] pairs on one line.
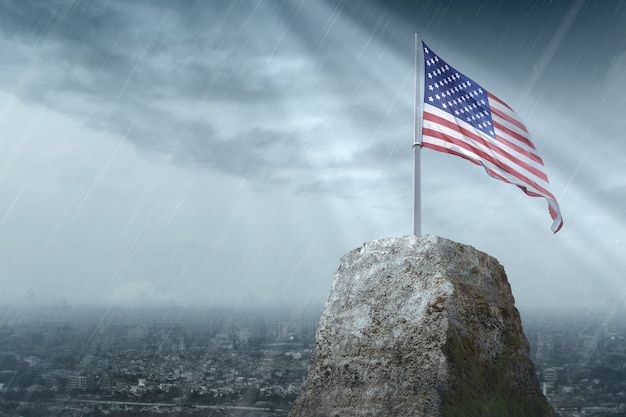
[[495, 105], [515, 129], [457, 135], [513, 139], [489, 165], [506, 110]]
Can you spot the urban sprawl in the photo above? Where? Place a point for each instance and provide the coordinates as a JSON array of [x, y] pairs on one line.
[[247, 362]]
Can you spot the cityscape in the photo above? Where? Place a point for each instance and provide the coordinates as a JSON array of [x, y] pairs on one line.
[[175, 361], [580, 360]]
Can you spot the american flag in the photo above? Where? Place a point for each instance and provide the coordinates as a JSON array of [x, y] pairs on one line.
[[462, 118]]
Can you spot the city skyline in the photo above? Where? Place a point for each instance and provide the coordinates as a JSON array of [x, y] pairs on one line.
[[255, 360]]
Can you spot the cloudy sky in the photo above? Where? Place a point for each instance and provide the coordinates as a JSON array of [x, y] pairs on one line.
[[221, 152]]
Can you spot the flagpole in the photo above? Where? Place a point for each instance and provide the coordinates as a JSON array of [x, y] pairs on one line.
[[417, 143]]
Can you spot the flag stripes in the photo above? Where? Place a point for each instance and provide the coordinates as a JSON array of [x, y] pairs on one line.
[[479, 144], [463, 119]]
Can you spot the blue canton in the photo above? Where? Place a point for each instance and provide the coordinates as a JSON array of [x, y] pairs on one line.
[[456, 94]]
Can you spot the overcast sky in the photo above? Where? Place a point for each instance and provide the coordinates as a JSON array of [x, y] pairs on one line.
[[222, 152]]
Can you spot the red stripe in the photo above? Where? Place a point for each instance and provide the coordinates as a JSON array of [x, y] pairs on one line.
[[492, 173], [495, 112], [496, 175], [450, 151], [444, 122], [554, 215], [494, 98], [501, 178], [509, 119], [516, 135], [498, 163], [505, 116]]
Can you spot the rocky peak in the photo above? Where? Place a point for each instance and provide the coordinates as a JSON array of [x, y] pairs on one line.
[[420, 326]]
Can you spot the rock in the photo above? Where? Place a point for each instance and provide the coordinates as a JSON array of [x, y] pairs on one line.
[[420, 327]]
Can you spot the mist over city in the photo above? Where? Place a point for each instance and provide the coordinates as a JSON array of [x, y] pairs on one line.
[[179, 180]]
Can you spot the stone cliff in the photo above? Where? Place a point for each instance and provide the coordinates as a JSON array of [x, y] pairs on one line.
[[420, 327]]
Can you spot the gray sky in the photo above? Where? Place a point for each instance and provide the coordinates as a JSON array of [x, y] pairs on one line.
[[228, 152]]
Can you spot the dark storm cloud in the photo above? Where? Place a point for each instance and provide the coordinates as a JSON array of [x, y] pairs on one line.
[[513, 35], [83, 33], [255, 152], [139, 48], [115, 64], [165, 75], [292, 122]]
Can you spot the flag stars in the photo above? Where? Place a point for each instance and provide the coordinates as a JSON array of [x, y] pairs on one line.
[[455, 94]]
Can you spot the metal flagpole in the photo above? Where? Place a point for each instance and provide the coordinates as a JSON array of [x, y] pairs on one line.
[[417, 142]]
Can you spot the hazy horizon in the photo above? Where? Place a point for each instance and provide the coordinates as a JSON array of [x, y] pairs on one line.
[[14, 311]]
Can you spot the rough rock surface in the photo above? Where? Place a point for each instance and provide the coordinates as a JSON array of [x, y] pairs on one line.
[[420, 326]]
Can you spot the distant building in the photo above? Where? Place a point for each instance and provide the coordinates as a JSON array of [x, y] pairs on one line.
[[550, 376], [32, 361], [104, 382], [77, 382], [244, 335], [80, 382]]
